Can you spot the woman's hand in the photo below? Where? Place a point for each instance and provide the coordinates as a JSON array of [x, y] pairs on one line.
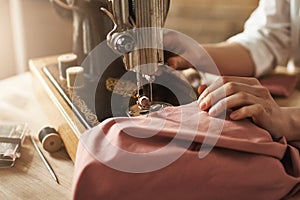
[[247, 98]]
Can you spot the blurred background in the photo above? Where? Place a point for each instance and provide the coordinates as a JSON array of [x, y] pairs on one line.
[[32, 28]]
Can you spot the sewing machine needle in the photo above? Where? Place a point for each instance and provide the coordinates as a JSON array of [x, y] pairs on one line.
[[46, 163]]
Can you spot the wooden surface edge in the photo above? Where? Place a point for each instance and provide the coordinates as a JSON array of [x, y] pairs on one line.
[[69, 127]]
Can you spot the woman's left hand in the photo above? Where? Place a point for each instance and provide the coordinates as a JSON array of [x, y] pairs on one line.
[[248, 99]]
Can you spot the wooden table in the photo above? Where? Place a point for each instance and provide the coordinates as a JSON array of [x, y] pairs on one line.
[[294, 99], [29, 178]]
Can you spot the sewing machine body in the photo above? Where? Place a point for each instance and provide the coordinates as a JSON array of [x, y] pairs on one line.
[[99, 99]]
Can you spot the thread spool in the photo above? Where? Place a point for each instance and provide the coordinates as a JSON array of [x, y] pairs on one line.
[[75, 77], [64, 62], [50, 139]]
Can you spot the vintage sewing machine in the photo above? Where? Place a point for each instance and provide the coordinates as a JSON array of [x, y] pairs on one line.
[[125, 71]]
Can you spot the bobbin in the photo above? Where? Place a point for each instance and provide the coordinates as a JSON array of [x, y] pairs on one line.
[[75, 77], [50, 139], [64, 62]]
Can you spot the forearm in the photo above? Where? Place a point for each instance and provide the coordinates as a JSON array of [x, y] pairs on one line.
[[293, 123], [231, 59]]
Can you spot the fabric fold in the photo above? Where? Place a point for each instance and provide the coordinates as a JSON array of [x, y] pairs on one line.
[[244, 163]]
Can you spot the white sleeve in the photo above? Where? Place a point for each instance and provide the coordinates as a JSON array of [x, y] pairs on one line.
[[267, 35]]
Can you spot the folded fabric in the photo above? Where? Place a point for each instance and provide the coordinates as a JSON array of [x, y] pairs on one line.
[[280, 84], [157, 157]]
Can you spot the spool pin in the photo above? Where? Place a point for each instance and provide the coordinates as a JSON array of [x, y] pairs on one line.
[[64, 62], [50, 139]]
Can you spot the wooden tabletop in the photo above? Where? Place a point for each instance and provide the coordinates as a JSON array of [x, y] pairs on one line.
[[294, 99], [29, 178]]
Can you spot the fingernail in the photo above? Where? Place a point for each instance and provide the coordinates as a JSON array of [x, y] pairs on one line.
[[202, 105], [212, 112]]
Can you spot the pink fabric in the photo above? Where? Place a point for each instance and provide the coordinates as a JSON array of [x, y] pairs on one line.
[[280, 84], [244, 164]]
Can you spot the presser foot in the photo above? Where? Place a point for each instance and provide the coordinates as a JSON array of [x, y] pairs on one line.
[[137, 110]]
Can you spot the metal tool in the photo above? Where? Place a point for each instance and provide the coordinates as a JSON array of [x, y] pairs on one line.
[[46, 163]]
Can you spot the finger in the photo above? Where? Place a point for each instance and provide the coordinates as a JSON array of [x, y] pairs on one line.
[[201, 88], [231, 88], [217, 109], [218, 83], [255, 111], [237, 100], [226, 79]]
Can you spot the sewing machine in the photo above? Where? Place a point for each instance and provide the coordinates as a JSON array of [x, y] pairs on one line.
[[128, 78], [137, 35]]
